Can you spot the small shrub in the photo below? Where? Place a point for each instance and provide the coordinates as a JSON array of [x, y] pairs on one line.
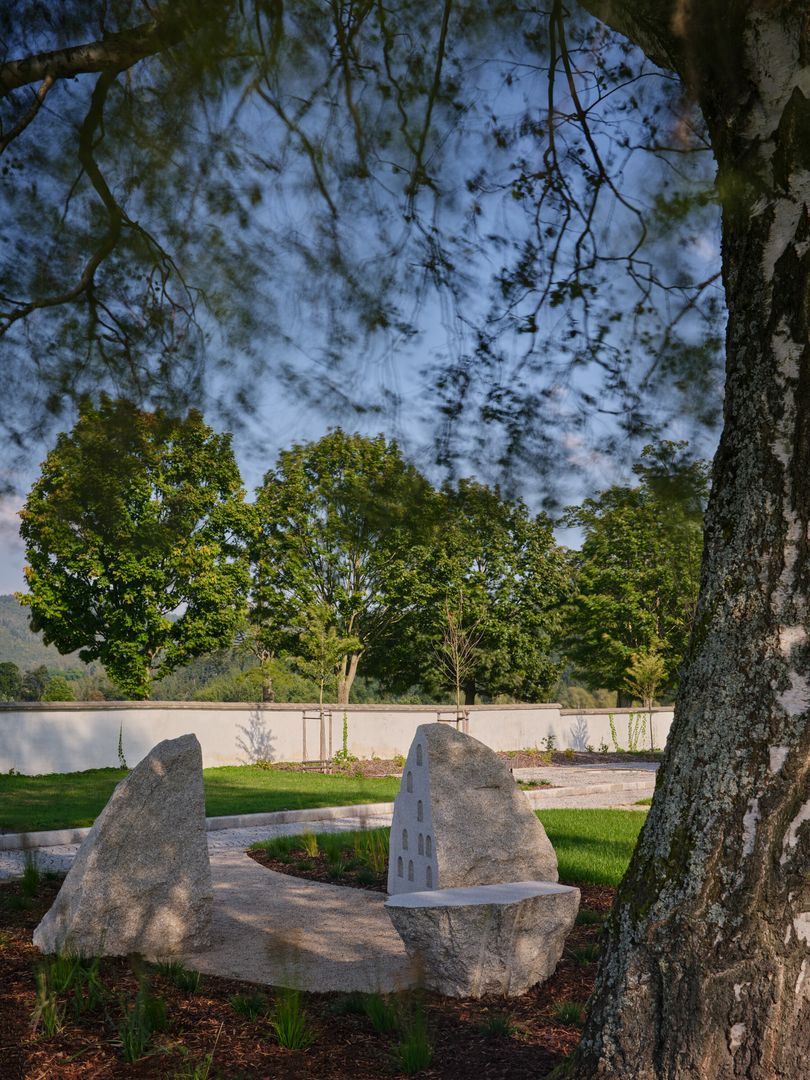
[[290, 1023], [381, 1012], [88, 989], [549, 742], [589, 748], [398, 760], [48, 1016], [195, 1070], [497, 1026], [569, 753], [31, 878], [66, 974], [335, 846], [584, 954], [250, 1006], [198, 1070], [181, 976], [586, 917], [570, 1012], [603, 747], [61, 971], [371, 849], [415, 1051], [143, 1019], [277, 847], [309, 842]]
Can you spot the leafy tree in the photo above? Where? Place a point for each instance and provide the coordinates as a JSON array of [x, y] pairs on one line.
[[34, 683], [338, 533], [10, 682], [498, 572], [457, 652], [134, 535], [639, 569], [58, 688], [323, 653], [644, 676]]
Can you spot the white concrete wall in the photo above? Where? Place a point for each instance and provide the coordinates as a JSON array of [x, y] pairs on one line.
[[69, 737]]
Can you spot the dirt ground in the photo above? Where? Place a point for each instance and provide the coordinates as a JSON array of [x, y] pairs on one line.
[[516, 759], [490, 1038]]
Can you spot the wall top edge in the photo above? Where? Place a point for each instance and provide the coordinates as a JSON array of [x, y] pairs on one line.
[[616, 710], [244, 706]]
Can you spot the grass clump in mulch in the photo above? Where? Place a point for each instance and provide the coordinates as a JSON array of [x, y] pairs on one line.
[[358, 859], [64, 1018], [593, 847]]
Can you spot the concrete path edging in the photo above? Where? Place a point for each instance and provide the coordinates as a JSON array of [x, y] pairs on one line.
[[60, 837]]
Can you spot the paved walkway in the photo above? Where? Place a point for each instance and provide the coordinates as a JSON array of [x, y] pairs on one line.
[[283, 931], [61, 857]]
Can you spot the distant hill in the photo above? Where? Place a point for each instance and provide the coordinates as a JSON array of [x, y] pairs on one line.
[[24, 648]]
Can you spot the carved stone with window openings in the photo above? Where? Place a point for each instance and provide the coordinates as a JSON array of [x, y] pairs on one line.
[[473, 825]]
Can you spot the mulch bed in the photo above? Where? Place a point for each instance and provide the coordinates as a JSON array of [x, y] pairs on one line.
[[346, 1047], [516, 759], [317, 868]]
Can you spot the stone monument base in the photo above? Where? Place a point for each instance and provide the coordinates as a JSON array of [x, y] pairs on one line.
[[486, 939]]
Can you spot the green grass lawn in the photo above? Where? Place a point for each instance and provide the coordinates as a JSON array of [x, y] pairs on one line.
[[70, 800], [593, 846]]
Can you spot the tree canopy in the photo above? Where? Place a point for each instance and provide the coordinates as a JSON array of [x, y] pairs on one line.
[[493, 589], [312, 188], [339, 531], [134, 537], [638, 571]]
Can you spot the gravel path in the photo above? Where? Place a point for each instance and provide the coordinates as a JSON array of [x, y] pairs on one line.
[[284, 931]]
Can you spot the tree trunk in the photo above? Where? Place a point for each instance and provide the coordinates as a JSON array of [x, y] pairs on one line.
[[346, 679], [469, 691], [705, 973]]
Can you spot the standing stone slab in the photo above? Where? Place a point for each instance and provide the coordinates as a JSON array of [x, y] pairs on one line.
[[460, 819], [493, 939], [141, 881]]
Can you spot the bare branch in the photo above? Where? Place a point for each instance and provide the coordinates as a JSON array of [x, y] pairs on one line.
[[27, 117]]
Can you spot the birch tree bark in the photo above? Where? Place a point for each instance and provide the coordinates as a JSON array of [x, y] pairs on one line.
[[705, 973]]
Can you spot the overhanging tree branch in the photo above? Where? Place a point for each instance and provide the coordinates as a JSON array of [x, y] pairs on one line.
[[29, 115], [116, 51]]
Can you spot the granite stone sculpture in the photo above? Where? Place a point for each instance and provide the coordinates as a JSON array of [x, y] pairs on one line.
[[490, 939], [141, 881], [460, 819]]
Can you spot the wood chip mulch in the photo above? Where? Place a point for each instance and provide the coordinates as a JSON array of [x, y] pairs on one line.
[[516, 759], [346, 1046]]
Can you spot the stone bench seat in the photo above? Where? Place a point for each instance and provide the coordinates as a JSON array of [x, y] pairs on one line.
[[485, 939]]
